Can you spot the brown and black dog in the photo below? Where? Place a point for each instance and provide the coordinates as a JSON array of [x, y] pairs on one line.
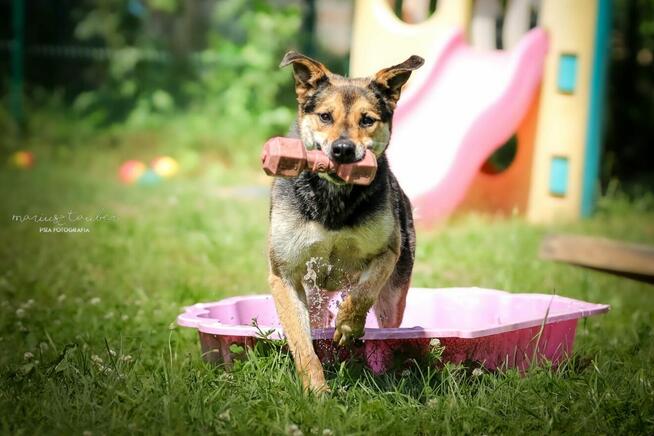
[[326, 235]]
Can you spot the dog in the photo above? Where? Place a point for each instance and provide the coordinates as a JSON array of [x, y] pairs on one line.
[[326, 235]]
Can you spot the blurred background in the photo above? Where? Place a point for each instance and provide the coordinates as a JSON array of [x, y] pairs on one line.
[[202, 74], [131, 187]]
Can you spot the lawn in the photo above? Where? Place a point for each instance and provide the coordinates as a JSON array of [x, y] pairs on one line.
[[89, 344]]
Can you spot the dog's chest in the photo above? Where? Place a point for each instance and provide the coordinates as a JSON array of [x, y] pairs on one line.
[[296, 241]]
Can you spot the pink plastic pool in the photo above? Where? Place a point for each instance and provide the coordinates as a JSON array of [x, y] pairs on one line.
[[489, 327]]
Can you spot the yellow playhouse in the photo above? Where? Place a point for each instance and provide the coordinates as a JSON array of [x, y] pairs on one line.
[[554, 173]]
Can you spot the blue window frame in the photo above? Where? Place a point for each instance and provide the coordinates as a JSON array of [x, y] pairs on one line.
[[559, 176], [567, 77]]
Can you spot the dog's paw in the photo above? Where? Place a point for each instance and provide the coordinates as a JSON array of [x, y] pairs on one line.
[[317, 385], [350, 321], [347, 331], [321, 389], [313, 378]]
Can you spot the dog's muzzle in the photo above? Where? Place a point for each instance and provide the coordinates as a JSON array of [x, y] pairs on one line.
[[343, 151]]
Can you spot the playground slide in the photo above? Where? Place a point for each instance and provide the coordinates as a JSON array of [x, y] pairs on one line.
[[468, 104]]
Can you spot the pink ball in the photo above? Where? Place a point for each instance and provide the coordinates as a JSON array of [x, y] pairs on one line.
[[130, 171]]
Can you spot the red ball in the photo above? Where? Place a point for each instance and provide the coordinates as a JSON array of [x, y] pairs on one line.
[[22, 159], [130, 171]]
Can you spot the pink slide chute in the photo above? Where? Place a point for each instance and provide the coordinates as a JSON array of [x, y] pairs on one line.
[[467, 104]]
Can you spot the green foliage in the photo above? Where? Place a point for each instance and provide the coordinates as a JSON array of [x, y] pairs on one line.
[[133, 72], [222, 81], [630, 93], [241, 93]]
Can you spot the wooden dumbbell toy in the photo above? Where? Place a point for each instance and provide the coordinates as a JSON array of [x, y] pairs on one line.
[[287, 157]]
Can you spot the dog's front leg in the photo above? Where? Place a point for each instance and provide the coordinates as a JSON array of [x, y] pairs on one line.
[[294, 316], [351, 318]]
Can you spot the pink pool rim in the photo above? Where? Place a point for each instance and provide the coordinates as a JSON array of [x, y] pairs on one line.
[[492, 328]]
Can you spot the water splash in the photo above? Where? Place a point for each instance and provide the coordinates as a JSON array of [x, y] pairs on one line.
[[323, 304], [317, 299]]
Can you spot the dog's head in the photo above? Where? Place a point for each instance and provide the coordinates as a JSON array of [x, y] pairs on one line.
[[343, 117]]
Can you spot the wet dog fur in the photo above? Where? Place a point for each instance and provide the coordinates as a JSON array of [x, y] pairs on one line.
[[326, 235]]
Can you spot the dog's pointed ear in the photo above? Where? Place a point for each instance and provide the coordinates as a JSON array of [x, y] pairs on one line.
[[308, 73], [392, 79]]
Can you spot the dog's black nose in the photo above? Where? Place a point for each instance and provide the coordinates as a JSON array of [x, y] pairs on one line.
[[343, 151]]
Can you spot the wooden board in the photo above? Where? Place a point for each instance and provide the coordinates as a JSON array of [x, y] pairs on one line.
[[626, 259]]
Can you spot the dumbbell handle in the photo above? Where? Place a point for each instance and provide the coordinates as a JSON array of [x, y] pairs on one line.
[[287, 157]]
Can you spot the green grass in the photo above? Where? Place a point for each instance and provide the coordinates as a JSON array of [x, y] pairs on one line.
[[96, 312]]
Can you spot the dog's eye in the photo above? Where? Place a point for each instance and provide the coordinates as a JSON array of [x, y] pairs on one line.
[[325, 117], [366, 121]]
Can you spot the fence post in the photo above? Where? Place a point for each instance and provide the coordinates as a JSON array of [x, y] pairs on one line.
[[17, 54]]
